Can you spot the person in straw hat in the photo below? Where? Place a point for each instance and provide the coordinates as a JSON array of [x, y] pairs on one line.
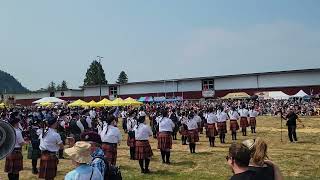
[[80, 155]]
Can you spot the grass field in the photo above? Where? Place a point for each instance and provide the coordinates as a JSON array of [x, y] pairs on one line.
[[296, 161]]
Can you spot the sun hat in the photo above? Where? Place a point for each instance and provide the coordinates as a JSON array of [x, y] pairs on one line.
[[80, 152]]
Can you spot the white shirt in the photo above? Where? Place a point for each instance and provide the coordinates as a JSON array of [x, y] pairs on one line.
[[233, 115], [89, 121], [131, 123], [184, 120], [192, 124], [222, 116], [244, 113], [124, 114], [110, 134], [19, 138], [253, 113], [197, 118], [165, 124], [142, 113], [92, 114], [79, 124], [211, 118], [143, 132], [51, 141]]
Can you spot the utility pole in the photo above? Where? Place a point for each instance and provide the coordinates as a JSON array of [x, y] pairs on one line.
[[99, 58]]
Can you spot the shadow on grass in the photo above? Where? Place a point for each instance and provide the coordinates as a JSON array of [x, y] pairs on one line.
[[164, 173], [184, 163]]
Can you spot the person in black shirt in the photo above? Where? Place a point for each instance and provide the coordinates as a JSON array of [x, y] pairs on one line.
[[238, 160], [291, 118]]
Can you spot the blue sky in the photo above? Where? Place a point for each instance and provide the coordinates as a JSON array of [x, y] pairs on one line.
[[43, 41]]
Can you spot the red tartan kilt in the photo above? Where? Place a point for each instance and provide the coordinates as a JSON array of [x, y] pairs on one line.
[[14, 162], [222, 127], [193, 136], [164, 140], [183, 131], [212, 131], [48, 166], [143, 150], [244, 122], [110, 152], [253, 122], [234, 126], [131, 142]]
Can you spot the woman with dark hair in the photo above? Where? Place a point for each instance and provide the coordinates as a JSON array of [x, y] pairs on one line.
[[143, 151], [110, 137], [165, 136]]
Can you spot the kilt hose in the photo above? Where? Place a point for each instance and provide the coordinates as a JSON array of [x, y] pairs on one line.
[[110, 152], [14, 162], [234, 126], [193, 136], [211, 130], [143, 150], [253, 122], [48, 165], [131, 141], [164, 140], [244, 122], [222, 127]]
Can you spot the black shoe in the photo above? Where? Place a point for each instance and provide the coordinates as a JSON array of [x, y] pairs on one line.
[[143, 171], [147, 171], [35, 171], [168, 162]]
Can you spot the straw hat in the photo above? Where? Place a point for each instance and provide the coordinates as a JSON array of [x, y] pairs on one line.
[[80, 152], [249, 143]]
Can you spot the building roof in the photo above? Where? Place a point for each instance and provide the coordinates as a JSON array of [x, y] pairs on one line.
[[209, 77]]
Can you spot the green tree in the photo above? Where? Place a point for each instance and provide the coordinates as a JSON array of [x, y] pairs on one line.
[[123, 78], [51, 87], [64, 85], [95, 75], [58, 88]]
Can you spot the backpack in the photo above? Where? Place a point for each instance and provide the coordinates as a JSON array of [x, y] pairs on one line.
[[111, 172]]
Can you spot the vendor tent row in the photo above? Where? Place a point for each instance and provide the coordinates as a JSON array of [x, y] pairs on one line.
[[267, 95]]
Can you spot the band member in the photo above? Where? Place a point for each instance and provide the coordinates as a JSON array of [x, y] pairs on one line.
[[110, 137], [222, 123], [234, 126], [34, 152], [253, 121], [183, 128], [165, 136], [143, 148], [174, 118], [193, 135], [75, 126], [14, 161], [50, 143], [244, 114], [292, 118], [199, 122], [124, 120], [211, 126], [131, 123], [62, 131]]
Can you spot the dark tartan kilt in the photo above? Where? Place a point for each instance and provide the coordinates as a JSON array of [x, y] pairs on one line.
[[164, 140], [143, 150], [183, 131], [14, 162], [110, 152], [193, 136], [253, 122], [244, 122], [222, 127], [48, 165], [211, 130], [200, 126], [234, 126], [131, 141], [33, 153]]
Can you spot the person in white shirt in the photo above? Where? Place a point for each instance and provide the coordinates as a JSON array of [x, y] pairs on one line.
[[253, 122], [199, 122], [234, 126], [110, 137], [211, 126], [244, 114], [183, 128], [165, 136], [143, 151], [50, 143], [124, 120], [14, 161], [222, 118], [193, 135], [131, 123]]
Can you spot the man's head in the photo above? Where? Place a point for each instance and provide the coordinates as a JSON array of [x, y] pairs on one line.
[[239, 156]]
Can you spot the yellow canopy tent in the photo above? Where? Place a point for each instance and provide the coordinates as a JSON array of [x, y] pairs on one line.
[[92, 104], [45, 104], [117, 102], [2, 105], [104, 102], [77, 103], [132, 102], [238, 95]]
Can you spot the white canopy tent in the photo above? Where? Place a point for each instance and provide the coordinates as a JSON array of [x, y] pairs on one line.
[[48, 100], [300, 94], [278, 95]]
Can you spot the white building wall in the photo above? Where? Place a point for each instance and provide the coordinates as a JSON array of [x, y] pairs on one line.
[[95, 91], [191, 85], [145, 88], [289, 79], [241, 82]]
